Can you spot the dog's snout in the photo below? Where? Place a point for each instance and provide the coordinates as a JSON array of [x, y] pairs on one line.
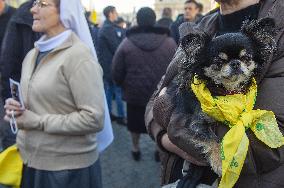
[[235, 64]]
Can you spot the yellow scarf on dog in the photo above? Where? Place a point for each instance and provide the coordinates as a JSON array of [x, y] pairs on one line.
[[236, 111]]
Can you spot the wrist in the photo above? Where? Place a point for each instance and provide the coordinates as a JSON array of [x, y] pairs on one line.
[[160, 140], [29, 120]]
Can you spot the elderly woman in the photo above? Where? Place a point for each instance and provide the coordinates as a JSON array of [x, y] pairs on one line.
[[63, 93]]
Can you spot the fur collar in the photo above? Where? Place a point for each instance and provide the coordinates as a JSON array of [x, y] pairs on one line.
[[149, 29]]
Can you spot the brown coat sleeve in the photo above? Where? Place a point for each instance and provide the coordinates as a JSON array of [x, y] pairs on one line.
[[153, 123], [155, 130]]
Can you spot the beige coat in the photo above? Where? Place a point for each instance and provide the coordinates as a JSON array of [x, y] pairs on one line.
[[63, 96]]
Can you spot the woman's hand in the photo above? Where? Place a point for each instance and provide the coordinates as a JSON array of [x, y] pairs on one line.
[[12, 105], [168, 145]]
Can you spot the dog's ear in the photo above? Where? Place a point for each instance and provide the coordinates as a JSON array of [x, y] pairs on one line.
[[262, 33], [194, 43], [194, 46]]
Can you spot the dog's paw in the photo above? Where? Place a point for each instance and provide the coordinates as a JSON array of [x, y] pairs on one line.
[[214, 158]]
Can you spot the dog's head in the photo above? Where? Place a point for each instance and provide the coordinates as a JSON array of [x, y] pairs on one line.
[[230, 60]]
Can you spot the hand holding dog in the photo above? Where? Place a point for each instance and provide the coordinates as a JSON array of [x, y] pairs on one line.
[[168, 145]]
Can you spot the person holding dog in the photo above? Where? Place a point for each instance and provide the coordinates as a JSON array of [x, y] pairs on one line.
[[263, 166]]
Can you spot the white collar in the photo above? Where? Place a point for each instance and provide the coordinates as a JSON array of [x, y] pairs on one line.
[[44, 44]]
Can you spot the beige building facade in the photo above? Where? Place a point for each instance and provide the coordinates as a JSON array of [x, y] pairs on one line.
[[177, 6], [15, 3]]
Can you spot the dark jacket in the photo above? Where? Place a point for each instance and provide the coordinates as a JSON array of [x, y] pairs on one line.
[[164, 22], [94, 30], [110, 36], [264, 167], [18, 41], [140, 62], [174, 28], [4, 19]]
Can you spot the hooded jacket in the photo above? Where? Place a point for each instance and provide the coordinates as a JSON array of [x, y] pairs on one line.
[[140, 62]]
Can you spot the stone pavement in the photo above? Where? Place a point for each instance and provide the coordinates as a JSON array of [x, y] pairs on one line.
[[119, 170]]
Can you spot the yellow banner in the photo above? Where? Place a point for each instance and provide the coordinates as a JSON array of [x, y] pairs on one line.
[[11, 167]]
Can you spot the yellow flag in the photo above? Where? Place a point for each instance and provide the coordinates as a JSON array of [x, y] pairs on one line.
[[11, 166], [93, 17]]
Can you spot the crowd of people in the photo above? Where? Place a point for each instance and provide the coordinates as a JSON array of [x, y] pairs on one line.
[[73, 72]]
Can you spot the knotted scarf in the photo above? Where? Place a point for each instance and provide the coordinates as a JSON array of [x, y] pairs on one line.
[[236, 111]]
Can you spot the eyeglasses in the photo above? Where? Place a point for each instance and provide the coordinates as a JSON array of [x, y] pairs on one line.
[[41, 3]]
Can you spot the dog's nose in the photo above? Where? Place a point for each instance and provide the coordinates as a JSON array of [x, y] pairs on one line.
[[235, 64]]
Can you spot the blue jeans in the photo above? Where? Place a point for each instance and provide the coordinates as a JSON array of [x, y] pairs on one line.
[[112, 90]]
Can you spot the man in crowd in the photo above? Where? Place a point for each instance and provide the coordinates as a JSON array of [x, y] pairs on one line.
[[190, 11], [93, 26], [166, 19], [263, 166], [6, 13], [110, 36], [18, 41], [200, 10], [120, 22]]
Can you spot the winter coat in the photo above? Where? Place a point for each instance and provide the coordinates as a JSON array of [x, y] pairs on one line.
[[140, 62], [4, 19], [110, 36], [18, 41], [263, 167], [164, 22], [174, 28]]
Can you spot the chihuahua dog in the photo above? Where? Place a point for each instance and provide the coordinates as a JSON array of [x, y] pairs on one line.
[[227, 64]]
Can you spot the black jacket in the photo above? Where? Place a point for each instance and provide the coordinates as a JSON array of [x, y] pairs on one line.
[[140, 62], [18, 41], [175, 28], [164, 22], [4, 19], [110, 36]]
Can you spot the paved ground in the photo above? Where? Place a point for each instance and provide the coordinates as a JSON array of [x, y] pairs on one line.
[[121, 171]]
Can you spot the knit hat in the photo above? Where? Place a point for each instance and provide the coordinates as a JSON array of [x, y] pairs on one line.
[[146, 17]]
